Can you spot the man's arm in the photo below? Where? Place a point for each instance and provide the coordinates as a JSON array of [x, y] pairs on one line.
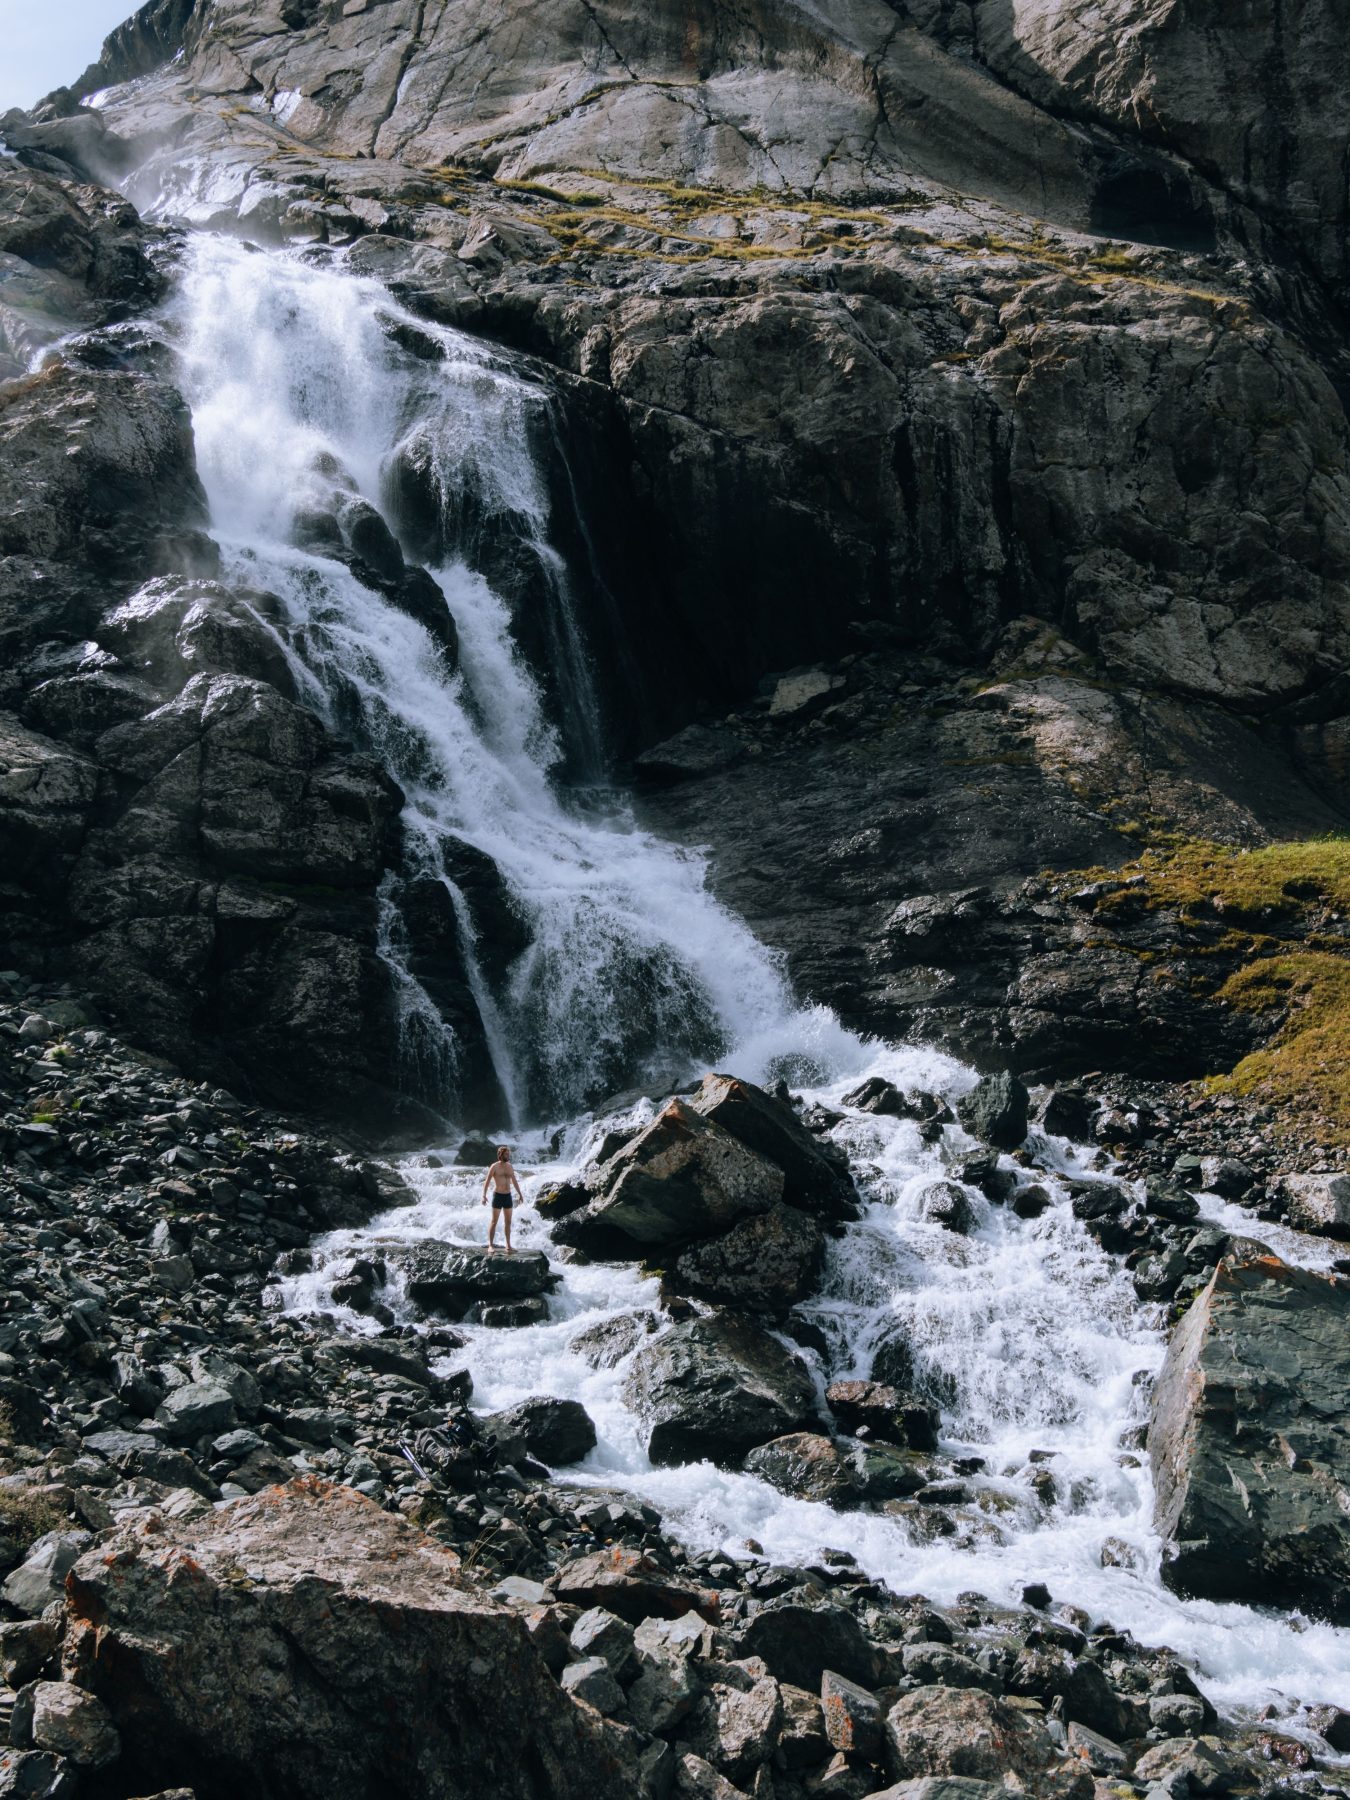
[[487, 1183], [516, 1185]]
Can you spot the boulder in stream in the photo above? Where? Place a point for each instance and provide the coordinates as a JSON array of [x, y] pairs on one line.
[[555, 1431], [1318, 1203], [682, 1177], [816, 1176], [884, 1412], [766, 1263], [1250, 1439], [455, 1279], [996, 1111], [716, 1387], [807, 1466]]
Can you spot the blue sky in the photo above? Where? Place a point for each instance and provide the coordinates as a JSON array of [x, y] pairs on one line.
[[46, 43]]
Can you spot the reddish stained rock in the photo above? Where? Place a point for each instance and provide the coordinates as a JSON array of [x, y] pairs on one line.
[[303, 1643], [629, 1584]]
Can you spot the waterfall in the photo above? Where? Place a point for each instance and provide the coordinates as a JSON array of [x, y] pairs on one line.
[[329, 422]]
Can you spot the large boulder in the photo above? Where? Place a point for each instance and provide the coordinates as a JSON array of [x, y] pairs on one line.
[[682, 1177], [556, 1431], [766, 1264], [304, 1643], [715, 1387], [815, 1174], [799, 1636], [1250, 1439], [967, 1732], [995, 1110]]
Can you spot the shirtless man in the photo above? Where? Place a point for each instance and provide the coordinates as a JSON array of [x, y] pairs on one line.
[[501, 1178]]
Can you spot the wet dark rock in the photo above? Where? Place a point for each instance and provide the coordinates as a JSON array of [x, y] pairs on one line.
[[1068, 1111], [944, 1203], [606, 1344], [808, 1467], [682, 1177], [766, 1263], [1031, 1201], [555, 1431], [450, 1279], [1247, 1415], [697, 750], [887, 1473], [885, 1412], [716, 1387], [800, 1641], [877, 1095], [996, 1111], [816, 1175]]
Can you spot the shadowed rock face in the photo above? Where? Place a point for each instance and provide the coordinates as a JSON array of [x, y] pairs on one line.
[[1248, 1440]]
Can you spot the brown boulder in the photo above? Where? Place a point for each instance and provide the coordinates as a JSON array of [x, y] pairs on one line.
[[303, 1643], [964, 1731]]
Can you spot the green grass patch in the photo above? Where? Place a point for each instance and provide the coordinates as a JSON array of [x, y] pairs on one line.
[[1309, 1058], [1288, 889], [1243, 884]]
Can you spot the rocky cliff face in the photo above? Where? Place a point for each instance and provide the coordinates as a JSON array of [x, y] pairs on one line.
[[870, 335]]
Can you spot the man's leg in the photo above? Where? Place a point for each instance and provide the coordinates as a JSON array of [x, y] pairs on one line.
[[492, 1229], [508, 1212]]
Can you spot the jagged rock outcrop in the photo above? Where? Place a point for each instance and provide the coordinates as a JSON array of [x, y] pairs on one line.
[[1248, 1441]]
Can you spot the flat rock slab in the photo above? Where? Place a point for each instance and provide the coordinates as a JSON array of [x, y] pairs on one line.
[[1250, 1439], [304, 1643], [453, 1277]]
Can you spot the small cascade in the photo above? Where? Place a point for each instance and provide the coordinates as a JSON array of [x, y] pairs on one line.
[[330, 424]]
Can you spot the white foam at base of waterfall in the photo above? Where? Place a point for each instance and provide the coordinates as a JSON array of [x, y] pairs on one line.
[[1035, 1332]]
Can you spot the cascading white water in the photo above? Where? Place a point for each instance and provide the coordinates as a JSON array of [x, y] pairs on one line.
[[303, 401]]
